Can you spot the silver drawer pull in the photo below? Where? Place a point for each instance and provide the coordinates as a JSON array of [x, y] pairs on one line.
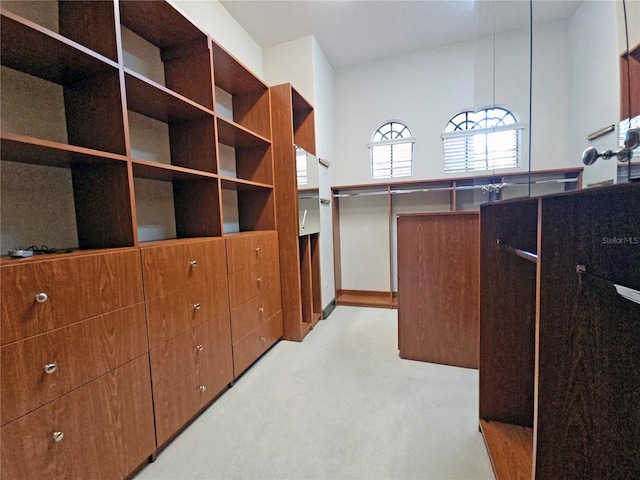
[[41, 297], [194, 263], [58, 436], [196, 306], [263, 339], [50, 368], [203, 388], [259, 279], [200, 348], [261, 309], [258, 249]]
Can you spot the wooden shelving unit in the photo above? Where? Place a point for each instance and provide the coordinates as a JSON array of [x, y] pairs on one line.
[[439, 195], [293, 125], [558, 344], [113, 111]]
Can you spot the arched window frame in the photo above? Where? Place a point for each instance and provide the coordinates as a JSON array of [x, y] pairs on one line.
[[488, 139], [391, 151]]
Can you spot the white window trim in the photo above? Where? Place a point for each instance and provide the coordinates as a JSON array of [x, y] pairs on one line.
[[394, 141], [482, 131]]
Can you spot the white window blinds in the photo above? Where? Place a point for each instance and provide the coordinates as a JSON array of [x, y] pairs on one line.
[[481, 149], [391, 158]]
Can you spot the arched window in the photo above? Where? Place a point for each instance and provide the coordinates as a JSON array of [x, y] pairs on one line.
[[484, 140], [391, 151]]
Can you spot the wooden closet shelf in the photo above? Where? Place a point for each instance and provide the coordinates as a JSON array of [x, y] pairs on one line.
[[160, 171], [234, 135], [231, 76], [510, 449], [155, 101], [240, 185], [23, 149], [357, 298], [33, 49]]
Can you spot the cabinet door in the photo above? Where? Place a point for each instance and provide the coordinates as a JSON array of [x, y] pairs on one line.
[[38, 296], [252, 313], [105, 430], [248, 349], [251, 282], [42, 368], [169, 268], [251, 249]]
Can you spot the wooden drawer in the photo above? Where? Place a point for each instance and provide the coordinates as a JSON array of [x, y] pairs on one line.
[[107, 426], [174, 360], [247, 250], [181, 402], [79, 353], [178, 312], [75, 288], [169, 268], [251, 282], [252, 313], [248, 349]]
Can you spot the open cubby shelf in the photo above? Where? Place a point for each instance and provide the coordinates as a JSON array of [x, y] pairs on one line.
[[150, 122]]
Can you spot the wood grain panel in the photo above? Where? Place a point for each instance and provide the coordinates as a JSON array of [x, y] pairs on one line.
[[189, 73], [197, 208], [168, 268], [438, 288], [510, 449], [78, 287], [250, 282], [90, 23], [251, 110], [174, 314], [306, 292], [193, 145], [252, 313], [179, 404], [507, 312], [107, 426], [81, 352], [247, 250], [589, 350]]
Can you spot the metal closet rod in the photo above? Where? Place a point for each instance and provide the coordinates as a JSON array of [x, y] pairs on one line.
[[532, 257], [630, 294], [450, 188]]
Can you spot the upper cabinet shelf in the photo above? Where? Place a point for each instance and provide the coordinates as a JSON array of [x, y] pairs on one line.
[[234, 135], [240, 96], [32, 49], [162, 45]]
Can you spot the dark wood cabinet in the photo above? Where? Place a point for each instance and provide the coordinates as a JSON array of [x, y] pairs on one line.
[[438, 287], [559, 346]]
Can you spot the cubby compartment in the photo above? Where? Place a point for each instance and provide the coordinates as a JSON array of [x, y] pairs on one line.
[[303, 122], [52, 89], [161, 45], [241, 97], [172, 203], [243, 154], [89, 23], [246, 207], [167, 128]]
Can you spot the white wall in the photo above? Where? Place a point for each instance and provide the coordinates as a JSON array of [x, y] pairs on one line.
[[215, 20], [291, 62]]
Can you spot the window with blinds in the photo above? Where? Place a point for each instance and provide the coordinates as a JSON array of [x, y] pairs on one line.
[[479, 141], [391, 151]]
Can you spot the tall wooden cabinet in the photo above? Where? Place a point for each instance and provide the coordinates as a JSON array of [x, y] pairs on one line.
[[293, 125], [146, 151], [559, 336]]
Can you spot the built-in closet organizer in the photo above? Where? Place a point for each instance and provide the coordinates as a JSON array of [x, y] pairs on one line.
[[438, 287], [135, 141], [76, 393], [560, 335], [294, 125], [254, 296], [372, 208]]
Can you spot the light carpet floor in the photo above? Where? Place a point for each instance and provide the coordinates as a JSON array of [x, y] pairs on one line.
[[340, 405]]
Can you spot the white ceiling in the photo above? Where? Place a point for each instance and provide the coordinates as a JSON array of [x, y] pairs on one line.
[[357, 31]]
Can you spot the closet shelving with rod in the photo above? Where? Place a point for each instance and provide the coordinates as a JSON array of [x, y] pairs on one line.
[[370, 210]]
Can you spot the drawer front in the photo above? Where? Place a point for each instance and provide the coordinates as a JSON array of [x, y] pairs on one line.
[[181, 402], [40, 369], [251, 282], [249, 348], [40, 296], [252, 313], [107, 426], [176, 313], [170, 268], [248, 250], [174, 360]]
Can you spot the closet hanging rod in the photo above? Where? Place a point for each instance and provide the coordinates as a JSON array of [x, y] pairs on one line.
[[630, 294], [532, 257]]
